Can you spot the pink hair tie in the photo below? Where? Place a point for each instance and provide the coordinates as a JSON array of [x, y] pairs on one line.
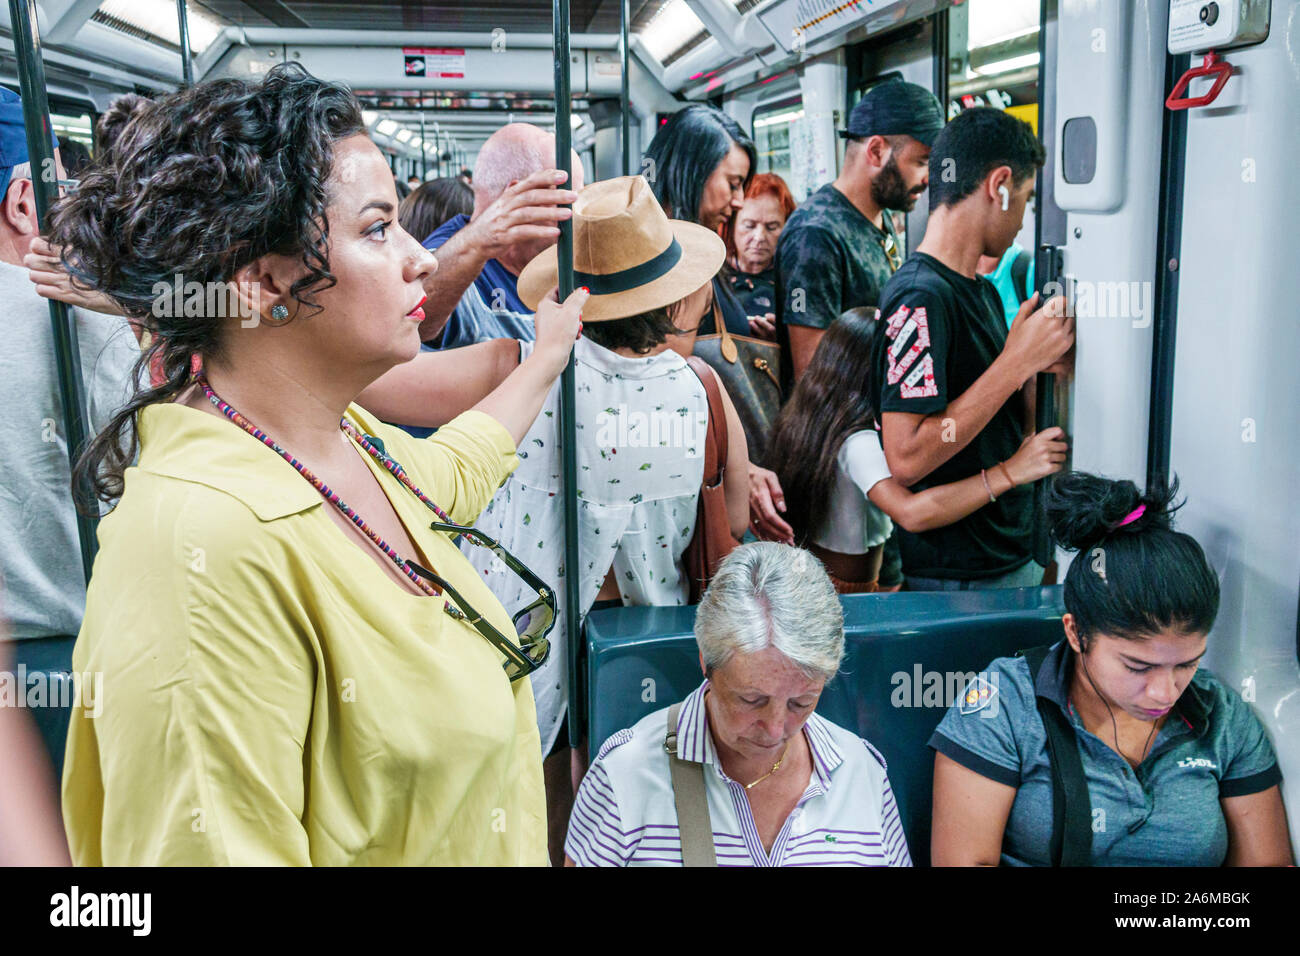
[[1132, 516]]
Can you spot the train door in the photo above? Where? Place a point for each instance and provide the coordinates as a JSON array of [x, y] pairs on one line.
[[1178, 252], [779, 130], [1235, 403]]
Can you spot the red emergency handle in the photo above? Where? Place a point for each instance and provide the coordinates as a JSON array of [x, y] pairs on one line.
[[1212, 66]]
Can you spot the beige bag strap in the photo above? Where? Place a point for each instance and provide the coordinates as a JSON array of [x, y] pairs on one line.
[[692, 799], [728, 345]]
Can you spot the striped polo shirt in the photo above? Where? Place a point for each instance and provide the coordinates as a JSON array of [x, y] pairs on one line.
[[624, 813]]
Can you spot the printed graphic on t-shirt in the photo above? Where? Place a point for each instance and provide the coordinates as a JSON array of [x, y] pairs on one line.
[[915, 366]]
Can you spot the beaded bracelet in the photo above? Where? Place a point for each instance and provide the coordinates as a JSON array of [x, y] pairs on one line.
[[983, 475]]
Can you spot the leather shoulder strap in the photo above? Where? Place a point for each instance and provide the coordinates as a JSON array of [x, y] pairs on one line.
[[727, 345], [714, 467], [1071, 804], [692, 800]]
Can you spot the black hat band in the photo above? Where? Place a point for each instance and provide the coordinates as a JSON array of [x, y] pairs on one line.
[[626, 279]]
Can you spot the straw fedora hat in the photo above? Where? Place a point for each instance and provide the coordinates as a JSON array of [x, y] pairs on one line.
[[630, 255]]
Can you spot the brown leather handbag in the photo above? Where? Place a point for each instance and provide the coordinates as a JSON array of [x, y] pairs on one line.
[[712, 540], [750, 369]]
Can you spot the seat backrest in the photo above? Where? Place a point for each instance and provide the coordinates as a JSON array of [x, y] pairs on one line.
[[907, 657]]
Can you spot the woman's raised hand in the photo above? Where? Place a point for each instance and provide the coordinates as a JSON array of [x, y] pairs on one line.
[[558, 326], [517, 401]]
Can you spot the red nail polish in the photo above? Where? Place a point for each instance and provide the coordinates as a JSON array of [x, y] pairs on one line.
[[586, 290]]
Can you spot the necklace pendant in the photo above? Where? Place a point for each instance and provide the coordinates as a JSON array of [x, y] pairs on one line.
[[775, 767]]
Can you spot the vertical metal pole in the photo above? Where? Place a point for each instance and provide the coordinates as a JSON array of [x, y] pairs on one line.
[[424, 157], [36, 117], [939, 53], [625, 99], [568, 397], [1169, 243], [187, 67], [1048, 260]]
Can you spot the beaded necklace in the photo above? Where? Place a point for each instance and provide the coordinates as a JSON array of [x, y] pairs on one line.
[[331, 496]]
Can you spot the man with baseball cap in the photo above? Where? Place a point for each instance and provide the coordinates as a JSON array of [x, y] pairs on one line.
[[44, 593], [839, 248]]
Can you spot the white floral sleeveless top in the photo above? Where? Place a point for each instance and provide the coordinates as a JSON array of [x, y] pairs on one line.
[[641, 428]]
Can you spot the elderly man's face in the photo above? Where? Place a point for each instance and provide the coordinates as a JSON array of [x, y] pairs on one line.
[[759, 701]]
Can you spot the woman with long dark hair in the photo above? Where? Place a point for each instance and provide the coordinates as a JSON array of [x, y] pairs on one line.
[[839, 494], [699, 165], [1177, 769], [302, 666]]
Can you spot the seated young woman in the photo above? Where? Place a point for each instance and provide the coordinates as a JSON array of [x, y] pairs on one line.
[[839, 495], [1177, 769]]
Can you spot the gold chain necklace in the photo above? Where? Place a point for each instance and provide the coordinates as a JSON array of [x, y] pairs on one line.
[[775, 767]]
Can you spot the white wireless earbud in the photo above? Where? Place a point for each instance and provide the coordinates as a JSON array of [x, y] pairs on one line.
[[1006, 198]]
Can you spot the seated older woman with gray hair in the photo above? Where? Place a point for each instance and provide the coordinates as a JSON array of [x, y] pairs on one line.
[[742, 772]]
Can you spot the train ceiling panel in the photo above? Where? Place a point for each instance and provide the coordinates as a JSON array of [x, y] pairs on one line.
[[524, 16]]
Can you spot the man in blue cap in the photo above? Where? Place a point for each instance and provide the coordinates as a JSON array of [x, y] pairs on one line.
[[16, 169], [44, 592]]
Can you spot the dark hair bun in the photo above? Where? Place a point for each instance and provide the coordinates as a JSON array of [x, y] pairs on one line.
[[1083, 509], [111, 123]]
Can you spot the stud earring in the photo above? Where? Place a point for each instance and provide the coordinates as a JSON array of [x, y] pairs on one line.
[[279, 312]]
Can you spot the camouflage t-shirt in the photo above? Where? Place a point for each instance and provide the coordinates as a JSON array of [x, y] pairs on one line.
[[830, 258]]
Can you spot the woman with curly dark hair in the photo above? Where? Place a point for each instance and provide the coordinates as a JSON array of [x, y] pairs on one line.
[[300, 665]]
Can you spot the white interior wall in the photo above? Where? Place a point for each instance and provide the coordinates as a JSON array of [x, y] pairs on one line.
[[1236, 400]]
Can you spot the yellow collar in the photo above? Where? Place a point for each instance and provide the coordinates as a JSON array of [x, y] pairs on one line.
[[190, 445]]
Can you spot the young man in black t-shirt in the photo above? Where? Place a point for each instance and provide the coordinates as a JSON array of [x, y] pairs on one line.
[[953, 379]]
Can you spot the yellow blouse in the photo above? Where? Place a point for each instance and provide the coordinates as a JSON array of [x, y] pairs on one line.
[[268, 694]]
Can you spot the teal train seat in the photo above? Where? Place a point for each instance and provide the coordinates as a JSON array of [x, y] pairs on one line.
[[907, 657]]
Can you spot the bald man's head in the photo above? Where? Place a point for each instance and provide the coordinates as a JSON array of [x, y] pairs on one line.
[[512, 153]]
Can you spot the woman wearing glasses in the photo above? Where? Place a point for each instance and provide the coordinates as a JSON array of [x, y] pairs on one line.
[[758, 226], [299, 666]]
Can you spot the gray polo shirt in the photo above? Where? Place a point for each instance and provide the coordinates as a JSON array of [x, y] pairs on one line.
[[1164, 813], [40, 555]]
